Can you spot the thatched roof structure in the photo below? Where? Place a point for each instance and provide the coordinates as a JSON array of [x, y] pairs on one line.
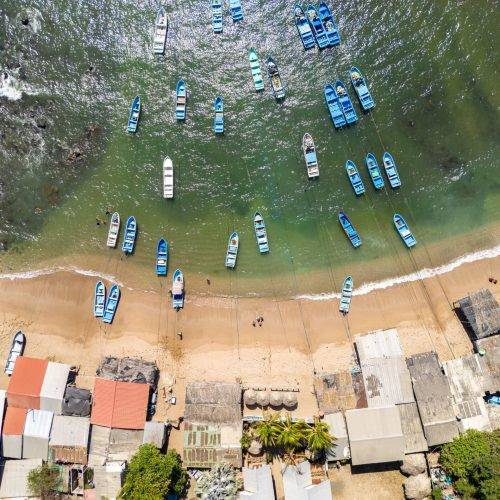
[[276, 399], [482, 313], [263, 398], [290, 400], [129, 370], [250, 397]]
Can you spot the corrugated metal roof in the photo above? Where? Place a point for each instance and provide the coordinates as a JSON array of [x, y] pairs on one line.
[[155, 433], [70, 431], [13, 424], [38, 423], [297, 484], [53, 387], [258, 483], [26, 382], [338, 430], [412, 428], [379, 344], [119, 404], [15, 478]]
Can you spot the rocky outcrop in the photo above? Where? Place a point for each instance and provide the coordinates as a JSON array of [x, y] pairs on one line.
[[417, 487], [414, 464]]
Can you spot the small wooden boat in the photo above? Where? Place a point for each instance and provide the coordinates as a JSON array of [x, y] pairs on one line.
[[130, 234], [404, 231], [346, 297], [161, 27], [111, 304], [345, 103], [374, 171], [275, 79], [217, 16], [309, 149], [161, 258], [354, 177], [180, 107], [236, 10], [255, 67], [349, 229], [317, 27], [232, 250], [303, 27], [331, 30], [219, 115], [391, 170], [168, 178], [16, 350], [359, 84], [333, 104], [178, 289], [260, 233], [114, 229], [99, 299], [133, 117]]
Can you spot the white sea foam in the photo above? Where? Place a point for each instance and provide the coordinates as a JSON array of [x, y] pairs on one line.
[[11, 88], [422, 274]]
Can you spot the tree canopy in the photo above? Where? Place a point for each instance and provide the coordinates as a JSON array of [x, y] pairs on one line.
[[44, 481], [152, 475]]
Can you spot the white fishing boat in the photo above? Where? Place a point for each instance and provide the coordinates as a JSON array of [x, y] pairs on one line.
[[161, 27], [114, 229], [168, 178], [346, 297], [16, 350]]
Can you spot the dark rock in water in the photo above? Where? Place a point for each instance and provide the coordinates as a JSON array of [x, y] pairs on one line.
[[25, 21], [74, 154], [90, 68], [411, 123], [452, 163], [41, 122]]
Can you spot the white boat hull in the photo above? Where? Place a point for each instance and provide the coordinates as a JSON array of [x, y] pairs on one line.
[[168, 178]]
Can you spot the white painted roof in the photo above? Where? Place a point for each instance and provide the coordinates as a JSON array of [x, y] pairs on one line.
[[38, 423]]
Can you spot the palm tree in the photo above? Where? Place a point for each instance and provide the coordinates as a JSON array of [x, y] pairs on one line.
[[292, 436], [318, 437], [268, 430]]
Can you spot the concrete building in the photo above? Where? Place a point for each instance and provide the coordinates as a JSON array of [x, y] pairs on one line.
[[108, 480], [12, 432], [15, 478], [298, 485], [155, 433], [257, 483], [375, 435], [37, 433], [338, 430], [69, 439], [53, 387]]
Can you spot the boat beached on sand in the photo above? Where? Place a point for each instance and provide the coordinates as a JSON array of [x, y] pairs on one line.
[[354, 177], [331, 30], [168, 178], [16, 350], [178, 290], [349, 229], [374, 171], [255, 67], [334, 108], [114, 229], [346, 296], [391, 170], [217, 16], [130, 235], [232, 250], [99, 299], [317, 27], [345, 103], [309, 149], [219, 115], [260, 233], [275, 79], [161, 257], [303, 27], [181, 100], [161, 27], [111, 304], [404, 231], [133, 117], [359, 83]]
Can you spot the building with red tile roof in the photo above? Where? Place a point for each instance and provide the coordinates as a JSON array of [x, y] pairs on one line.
[[26, 383], [12, 432]]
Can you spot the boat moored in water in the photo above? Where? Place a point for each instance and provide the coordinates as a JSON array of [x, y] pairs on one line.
[[345, 103], [161, 27], [181, 101], [404, 231], [114, 229], [391, 170], [346, 296], [303, 27], [161, 257], [178, 289], [331, 30], [354, 177], [317, 27], [133, 117], [359, 83], [168, 178], [255, 67], [236, 10], [349, 229], [334, 108], [260, 233], [310, 157], [111, 304], [274, 77], [99, 299], [217, 16], [219, 115], [374, 171], [232, 250], [130, 235]]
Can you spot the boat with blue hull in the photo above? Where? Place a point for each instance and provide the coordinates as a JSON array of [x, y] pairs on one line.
[[333, 105], [317, 27], [310, 157], [178, 289], [99, 299], [404, 231], [236, 10], [232, 250], [111, 304], [181, 101], [346, 296], [303, 27], [275, 79], [374, 171], [331, 30], [354, 177], [359, 83], [161, 28], [161, 258], [260, 233], [217, 16], [345, 103], [133, 117], [256, 72], [219, 115], [130, 235], [349, 229], [391, 170]]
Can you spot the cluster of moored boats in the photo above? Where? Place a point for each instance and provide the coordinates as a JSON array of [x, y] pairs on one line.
[[316, 26]]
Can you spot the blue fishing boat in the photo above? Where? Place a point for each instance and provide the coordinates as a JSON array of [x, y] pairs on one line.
[[359, 83], [178, 289], [111, 304], [303, 27], [232, 250], [181, 101], [332, 32], [354, 177], [374, 171], [219, 115], [260, 233], [217, 16], [236, 10], [404, 231], [317, 27], [133, 117], [130, 234], [161, 258], [309, 149], [274, 77], [99, 299], [333, 104], [347, 226], [255, 67], [345, 103], [391, 170], [346, 296]]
